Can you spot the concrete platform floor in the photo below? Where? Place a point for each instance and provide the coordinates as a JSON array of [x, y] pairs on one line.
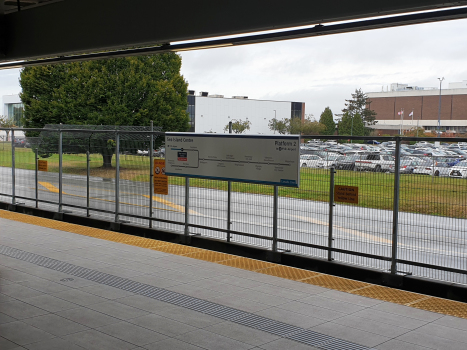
[[63, 290]]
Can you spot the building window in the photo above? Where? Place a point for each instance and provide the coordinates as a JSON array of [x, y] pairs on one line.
[[15, 113], [191, 112]]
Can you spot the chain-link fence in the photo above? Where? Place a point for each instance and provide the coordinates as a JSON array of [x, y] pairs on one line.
[[407, 213]]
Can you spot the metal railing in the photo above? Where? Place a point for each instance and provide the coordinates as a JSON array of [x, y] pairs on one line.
[[404, 222]]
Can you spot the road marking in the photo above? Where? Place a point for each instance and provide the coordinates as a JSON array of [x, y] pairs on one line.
[[51, 187], [347, 230], [172, 205], [109, 200]]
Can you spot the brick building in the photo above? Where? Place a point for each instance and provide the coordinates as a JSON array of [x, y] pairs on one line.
[[404, 107]]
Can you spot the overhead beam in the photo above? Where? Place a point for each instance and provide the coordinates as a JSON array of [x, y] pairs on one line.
[[318, 30], [84, 26]]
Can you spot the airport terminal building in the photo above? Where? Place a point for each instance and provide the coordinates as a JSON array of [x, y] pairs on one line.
[[403, 107]]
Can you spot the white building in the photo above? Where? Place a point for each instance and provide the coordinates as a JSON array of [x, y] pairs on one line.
[[212, 113], [13, 110]]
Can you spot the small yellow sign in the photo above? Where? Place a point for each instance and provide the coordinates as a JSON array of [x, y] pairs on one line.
[[347, 194], [42, 165], [161, 181]]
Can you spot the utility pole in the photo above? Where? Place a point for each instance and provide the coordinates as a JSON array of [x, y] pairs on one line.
[[439, 105]]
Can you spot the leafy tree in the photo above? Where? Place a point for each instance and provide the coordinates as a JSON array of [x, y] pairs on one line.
[[6, 123], [352, 125], [239, 126], [120, 91], [281, 126], [305, 127], [360, 105], [327, 120]]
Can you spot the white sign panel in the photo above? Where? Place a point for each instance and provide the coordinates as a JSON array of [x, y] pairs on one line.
[[271, 160]]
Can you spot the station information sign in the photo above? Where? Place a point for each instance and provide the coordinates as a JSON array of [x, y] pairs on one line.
[[265, 159]]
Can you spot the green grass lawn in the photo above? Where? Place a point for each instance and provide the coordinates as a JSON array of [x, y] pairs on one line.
[[418, 193]]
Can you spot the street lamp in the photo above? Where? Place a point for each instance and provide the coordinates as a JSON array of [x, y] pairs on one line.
[[439, 105]]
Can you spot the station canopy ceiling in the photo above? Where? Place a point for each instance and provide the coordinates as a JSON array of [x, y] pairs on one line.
[[57, 29]]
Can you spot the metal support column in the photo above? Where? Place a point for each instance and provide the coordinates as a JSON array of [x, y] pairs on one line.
[[229, 200], [331, 212], [395, 213], [88, 166], [151, 173], [187, 206], [60, 171], [13, 178], [117, 175], [274, 218], [36, 178]]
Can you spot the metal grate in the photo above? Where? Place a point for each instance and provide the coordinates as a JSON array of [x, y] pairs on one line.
[[265, 324]]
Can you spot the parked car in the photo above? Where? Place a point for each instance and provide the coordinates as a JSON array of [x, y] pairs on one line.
[[160, 152], [375, 162], [346, 162], [436, 169], [309, 160], [408, 166], [459, 170], [20, 142]]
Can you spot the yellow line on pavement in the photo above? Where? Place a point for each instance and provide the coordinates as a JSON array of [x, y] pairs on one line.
[[51, 187], [347, 230], [172, 205], [112, 201]]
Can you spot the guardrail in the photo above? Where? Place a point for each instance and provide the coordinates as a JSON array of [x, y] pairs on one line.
[[406, 214]]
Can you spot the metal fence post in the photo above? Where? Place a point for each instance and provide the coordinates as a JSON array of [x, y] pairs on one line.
[[229, 200], [88, 165], [331, 210], [117, 175], [151, 173], [13, 178], [395, 213], [36, 178], [274, 218], [60, 171], [187, 205]]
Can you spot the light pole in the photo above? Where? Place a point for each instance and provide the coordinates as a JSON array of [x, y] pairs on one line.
[[439, 105], [275, 120]]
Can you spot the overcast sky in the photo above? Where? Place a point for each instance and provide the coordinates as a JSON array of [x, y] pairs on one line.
[[324, 71]]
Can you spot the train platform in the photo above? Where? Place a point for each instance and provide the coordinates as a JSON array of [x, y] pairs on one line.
[[65, 286]]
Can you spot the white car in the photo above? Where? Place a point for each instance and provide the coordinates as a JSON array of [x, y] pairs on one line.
[[310, 160], [329, 161], [459, 170], [438, 169]]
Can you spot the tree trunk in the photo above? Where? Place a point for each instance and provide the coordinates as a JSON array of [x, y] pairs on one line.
[[7, 133], [107, 159]]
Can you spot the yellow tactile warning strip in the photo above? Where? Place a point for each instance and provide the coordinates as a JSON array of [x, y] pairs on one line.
[[288, 273], [415, 300], [336, 283]]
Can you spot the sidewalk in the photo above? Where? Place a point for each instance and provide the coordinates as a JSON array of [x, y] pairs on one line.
[[62, 290]]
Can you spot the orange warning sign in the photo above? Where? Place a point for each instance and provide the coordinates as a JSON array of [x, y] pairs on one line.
[[347, 194], [42, 165], [161, 181]]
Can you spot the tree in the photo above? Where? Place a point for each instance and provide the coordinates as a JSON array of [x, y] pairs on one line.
[[6, 123], [239, 126], [327, 120], [120, 91], [281, 126], [360, 104], [352, 125], [305, 127]]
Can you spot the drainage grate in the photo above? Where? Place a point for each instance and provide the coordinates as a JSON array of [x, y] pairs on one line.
[[248, 319]]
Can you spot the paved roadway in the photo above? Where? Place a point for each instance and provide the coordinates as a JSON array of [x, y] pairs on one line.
[[422, 238]]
